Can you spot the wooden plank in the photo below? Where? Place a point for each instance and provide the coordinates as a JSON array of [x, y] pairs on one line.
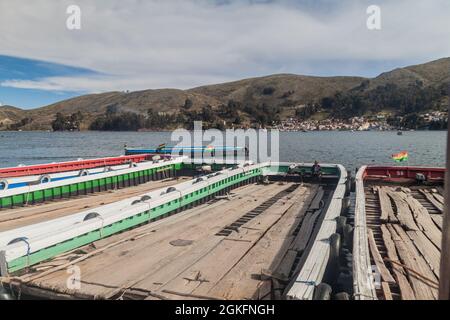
[[404, 213], [427, 249], [438, 205], [284, 265], [384, 272], [406, 291], [385, 204], [438, 197], [386, 291], [424, 221], [317, 199], [411, 258], [440, 190], [438, 219], [288, 261], [304, 235]]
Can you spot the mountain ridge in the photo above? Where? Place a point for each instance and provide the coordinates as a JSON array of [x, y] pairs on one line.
[[283, 92]]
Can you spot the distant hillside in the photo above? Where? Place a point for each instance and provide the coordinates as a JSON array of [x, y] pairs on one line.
[[432, 73], [10, 115], [241, 102]]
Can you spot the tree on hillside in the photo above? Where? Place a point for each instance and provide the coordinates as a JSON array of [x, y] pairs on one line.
[[268, 91], [66, 123], [188, 104], [59, 124]]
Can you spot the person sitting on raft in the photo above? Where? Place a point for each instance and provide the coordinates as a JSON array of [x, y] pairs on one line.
[[316, 170]]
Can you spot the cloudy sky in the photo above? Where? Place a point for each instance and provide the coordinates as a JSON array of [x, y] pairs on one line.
[[143, 44]]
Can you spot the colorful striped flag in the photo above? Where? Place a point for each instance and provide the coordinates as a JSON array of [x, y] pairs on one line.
[[161, 146], [400, 157]]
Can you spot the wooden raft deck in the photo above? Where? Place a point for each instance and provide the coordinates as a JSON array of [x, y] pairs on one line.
[[246, 246], [404, 236]]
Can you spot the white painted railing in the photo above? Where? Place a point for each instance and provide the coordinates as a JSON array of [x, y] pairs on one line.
[[363, 282], [313, 270]]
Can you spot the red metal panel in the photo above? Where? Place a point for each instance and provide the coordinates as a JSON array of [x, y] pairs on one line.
[[71, 166], [392, 173]]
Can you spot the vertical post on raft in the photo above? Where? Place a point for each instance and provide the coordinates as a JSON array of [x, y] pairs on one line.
[[444, 282]]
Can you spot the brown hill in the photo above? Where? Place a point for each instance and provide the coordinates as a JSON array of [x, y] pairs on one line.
[[276, 91], [431, 73], [10, 115]]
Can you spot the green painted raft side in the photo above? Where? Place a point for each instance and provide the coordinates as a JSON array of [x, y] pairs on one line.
[[136, 220], [333, 171], [326, 171], [83, 188]]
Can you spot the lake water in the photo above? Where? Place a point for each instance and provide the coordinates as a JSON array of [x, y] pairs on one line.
[[352, 149]]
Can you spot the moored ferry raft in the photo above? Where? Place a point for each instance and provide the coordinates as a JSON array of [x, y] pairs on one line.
[[397, 240], [239, 230]]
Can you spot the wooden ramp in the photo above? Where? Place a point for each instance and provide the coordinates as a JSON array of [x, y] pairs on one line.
[[244, 246]]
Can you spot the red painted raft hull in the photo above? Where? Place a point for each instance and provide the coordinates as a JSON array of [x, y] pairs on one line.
[[403, 174], [71, 166]]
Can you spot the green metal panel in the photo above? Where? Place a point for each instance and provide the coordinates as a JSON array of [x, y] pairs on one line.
[[48, 193], [20, 198], [65, 189], [57, 191], [38, 195], [6, 202]]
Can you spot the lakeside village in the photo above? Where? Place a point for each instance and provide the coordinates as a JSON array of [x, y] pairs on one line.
[[370, 123]]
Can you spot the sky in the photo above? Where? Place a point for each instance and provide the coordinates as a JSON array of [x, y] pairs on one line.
[[149, 44]]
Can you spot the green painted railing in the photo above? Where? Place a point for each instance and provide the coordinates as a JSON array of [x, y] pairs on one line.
[[86, 187]]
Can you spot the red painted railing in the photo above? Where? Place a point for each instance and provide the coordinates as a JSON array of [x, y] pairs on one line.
[[394, 173], [71, 166]]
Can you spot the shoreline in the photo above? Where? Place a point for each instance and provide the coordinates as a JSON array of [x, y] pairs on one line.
[[296, 131]]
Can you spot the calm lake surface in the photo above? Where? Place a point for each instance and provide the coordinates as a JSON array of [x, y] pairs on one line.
[[352, 149]]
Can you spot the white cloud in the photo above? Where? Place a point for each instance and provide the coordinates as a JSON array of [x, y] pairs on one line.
[[184, 43]]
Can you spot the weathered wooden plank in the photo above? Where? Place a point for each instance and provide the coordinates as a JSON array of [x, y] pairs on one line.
[[438, 220], [439, 197], [295, 216], [404, 213], [411, 258], [301, 241], [384, 272], [427, 249], [317, 199], [406, 291], [440, 190], [288, 261], [386, 291], [386, 206], [438, 205], [424, 221]]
